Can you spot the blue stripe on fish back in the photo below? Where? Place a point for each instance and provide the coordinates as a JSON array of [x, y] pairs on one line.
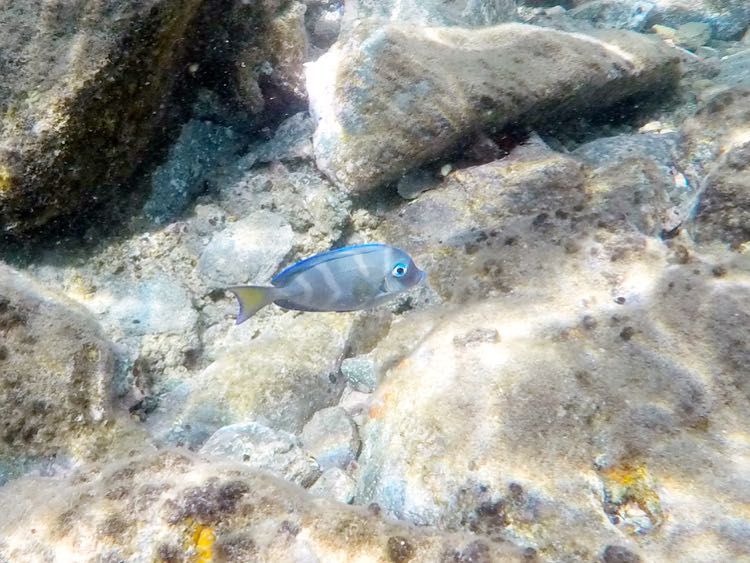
[[308, 263]]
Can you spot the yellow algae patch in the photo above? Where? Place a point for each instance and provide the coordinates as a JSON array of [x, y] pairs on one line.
[[201, 544], [630, 497], [80, 289], [6, 179]]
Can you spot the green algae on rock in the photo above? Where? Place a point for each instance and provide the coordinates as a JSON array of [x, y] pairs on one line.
[[390, 98]]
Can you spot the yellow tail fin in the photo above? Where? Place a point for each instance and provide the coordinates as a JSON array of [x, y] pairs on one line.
[[251, 299]]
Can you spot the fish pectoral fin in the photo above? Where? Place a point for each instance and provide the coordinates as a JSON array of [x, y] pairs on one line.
[[383, 288], [251, 299]]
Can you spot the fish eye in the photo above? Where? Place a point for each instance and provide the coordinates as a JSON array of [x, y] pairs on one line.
[[399, 270]]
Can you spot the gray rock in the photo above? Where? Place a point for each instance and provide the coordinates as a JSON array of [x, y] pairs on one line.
[[662, 148], [414, 183], [265, 45], [716, 148], [734, 70], [201, 147], [260, 447], [331, 438], [373, 133], [692, 35], [354, 402], [164, 506], [728, 18], [464, 13], [360, 372], [549, 394], [724, 210], [323, 22], [291, 141], [619, 14], [645, 183], [462, 230], [153, 305], [301, 196], [334, 483], [250, 250]]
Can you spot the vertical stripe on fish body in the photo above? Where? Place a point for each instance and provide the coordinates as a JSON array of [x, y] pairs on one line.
[[345, 279]]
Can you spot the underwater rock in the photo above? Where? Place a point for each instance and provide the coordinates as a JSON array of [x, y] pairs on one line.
[[618, 14], [728, 18], [85, 91], [249, 250], [360, 373], [724, 210], [636, 178], [173, 507], [260, 447], [270, 47], [692, 35], [465, 230], [716, 142], [323, 22], [413, 183], [563, 427], [334, 483], [331, 438], [315, 209], [734, 69], [390, 98], [278, 377], [292, 140], [153, 305], [56, 374], [464, 13], [718, 125], [201, 147]]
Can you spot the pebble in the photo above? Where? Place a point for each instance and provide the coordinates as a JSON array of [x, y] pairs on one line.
[[360, 372], [692, 35], [334, 483], [261, 447]]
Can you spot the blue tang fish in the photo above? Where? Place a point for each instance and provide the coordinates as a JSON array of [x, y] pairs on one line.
[[345, 279]]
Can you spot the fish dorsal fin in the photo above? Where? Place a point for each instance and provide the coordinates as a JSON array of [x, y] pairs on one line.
[[336, 254]]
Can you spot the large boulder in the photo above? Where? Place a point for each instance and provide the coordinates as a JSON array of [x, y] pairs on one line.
[[594, 407], [82, 97], [728, 19], [393, 97]]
